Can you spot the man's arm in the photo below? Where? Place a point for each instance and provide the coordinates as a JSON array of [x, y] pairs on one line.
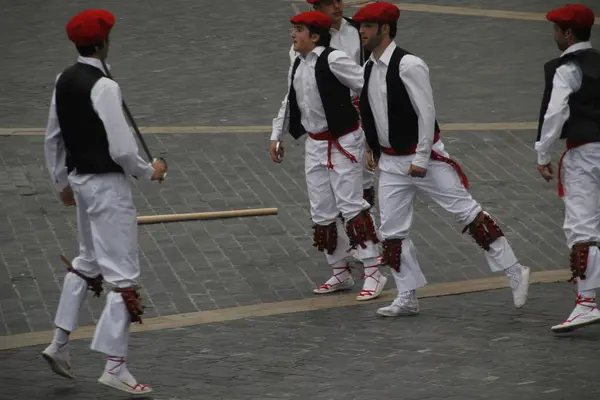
[[107, 101], [54, 148], [415, 76], [567, 80], [347, 71]]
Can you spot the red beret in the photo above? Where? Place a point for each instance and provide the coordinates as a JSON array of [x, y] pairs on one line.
[[378, 12], [572, 16], [312, 1], [315, 19], [90, 27]]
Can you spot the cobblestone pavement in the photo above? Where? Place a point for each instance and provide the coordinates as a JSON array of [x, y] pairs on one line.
[[224, 62], [462, 347], [204, 265], [209, 265]]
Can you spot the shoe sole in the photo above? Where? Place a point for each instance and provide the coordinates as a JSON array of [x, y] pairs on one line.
[[571, 328], [56, 368], [338, 289], [407, 314], [123, 388]]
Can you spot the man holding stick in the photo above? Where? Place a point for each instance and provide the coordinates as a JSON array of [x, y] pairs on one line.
[[319, 103], [89, 152], [399, 120]]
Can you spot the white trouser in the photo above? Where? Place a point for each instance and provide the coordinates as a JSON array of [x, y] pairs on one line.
[[442, 184], [107, 230], [581, 182], [338, 190]]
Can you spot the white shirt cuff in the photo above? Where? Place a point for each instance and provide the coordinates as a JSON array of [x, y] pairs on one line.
[[544, 159], [421, 161]]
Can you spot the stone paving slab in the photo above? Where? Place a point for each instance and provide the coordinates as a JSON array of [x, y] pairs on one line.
[[461, 347], [204, 265], [202, 62]]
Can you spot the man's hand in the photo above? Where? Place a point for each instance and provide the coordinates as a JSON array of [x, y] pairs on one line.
[[67, 197], [276, 151], [159, 170], [417, 172], [371, 162], [546, 171]]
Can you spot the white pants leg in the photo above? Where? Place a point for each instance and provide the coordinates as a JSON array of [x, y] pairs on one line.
[[346, 180], [112, 218], [443, 186], [75, 289], [336, 190], [581, 181], [323, 207], [396, 196]]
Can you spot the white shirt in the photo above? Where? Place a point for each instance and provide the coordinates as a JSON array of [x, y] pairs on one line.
[[346, 39], [415, 76], [567, 80], [107, 102], [312, 114]]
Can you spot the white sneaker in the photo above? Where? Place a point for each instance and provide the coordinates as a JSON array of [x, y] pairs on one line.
[[59, 360], [115, 382], [585, 313], [519, 281], [406, 304]]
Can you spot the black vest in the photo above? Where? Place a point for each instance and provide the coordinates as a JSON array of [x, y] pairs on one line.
[[584, 105], [82, 130], [403, 122], [337, 102], [364, 54]]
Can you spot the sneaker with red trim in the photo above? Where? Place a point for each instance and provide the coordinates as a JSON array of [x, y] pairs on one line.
[[117, 376], [374, 284], [585, 313], [341, 280], [113, 381]]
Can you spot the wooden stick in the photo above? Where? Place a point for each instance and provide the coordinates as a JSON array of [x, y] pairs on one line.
[[157, 219]]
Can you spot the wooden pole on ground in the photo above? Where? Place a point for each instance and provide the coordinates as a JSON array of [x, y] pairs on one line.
[[158, 219]]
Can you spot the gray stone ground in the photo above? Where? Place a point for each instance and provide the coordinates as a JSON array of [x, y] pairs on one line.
[[224, 63], [463, 347]]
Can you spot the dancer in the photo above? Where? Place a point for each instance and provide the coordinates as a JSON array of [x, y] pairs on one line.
[[398, 115], [571, 110], [319, 103], [89, 151]]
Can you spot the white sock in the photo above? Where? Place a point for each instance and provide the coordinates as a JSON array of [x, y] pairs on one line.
[[372, 277], [589, 294], [61, 337], [341, 272]]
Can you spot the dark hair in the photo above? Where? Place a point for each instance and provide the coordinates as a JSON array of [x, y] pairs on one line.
[[581, 34], [89, 50], [324, 36], [393, 28]]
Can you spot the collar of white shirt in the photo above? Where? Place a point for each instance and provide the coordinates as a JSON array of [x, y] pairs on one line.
[[386, 56], [576, 47], [92, 61], [317, 51]]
